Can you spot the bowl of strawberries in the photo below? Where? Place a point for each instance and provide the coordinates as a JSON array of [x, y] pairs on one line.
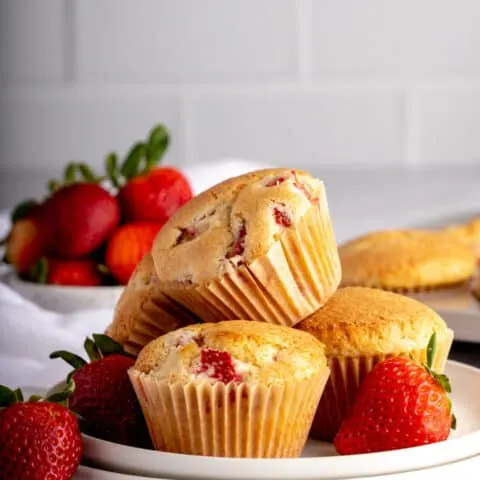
[[77, 247]]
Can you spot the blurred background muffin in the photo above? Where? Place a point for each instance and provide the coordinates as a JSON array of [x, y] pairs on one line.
[[406, 261]]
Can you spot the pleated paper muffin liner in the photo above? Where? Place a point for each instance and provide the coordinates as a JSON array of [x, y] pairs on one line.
[[156, 315], [414, 290], [347, 374], [233, 420], [300, 272]]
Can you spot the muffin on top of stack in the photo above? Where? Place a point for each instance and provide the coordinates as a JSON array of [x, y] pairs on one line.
[[216, 313]]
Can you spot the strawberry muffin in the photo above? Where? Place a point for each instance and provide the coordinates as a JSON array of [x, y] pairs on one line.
[[468, 233], [259, 247], [231, 389], [143, 313], [361, 326], [406, 261]]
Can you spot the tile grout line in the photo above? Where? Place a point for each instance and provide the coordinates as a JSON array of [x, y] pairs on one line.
[[304, 42]]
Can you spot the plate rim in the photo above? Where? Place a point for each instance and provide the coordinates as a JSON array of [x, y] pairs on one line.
[[242, 468]]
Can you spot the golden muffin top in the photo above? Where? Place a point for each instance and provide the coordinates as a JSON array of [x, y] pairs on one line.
[[233, 351], [141, 286], [405, 260], [468, 233], [232, 224], [369, 321]]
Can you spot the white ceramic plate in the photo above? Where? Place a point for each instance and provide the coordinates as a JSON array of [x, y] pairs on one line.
[[65, 299], [319, 459]]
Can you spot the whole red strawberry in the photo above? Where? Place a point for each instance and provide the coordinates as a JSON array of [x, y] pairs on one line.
[[82, 272], [29, 238], [154, 196], [127, 246], [84, 215], [148, 193], [400, 404], [103, 395], [39, 439]]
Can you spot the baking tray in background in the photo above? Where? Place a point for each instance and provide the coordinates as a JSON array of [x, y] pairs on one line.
[[458, 306]]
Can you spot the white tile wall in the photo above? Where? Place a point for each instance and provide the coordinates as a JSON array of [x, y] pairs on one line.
[[448, 121], [400, 38], [307, 82], [185, 40], [331, 127], [31, 41], [55, 126]]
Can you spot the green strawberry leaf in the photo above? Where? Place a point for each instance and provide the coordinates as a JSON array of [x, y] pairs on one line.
[[9, 396], [63, 395], [453, 426], [106, 345], [130, 166], [87, 173], [74, 360], [91, 349], [39, 272], [157, 145], [22, 210], [443, 381], [431, 348], [111, 164], [70, 173], [53, 185]]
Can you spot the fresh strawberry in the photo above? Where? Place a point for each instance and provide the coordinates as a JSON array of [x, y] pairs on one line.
[[400, 404], [39, 439], [127, 246], [103, 395], [82, 272], [148, 193], [29, 239], [154, 196], [84, 215], [217, 364]]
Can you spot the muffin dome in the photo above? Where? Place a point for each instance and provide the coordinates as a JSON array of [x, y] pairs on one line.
[[233, 351], [368, 321], [232, 224], [403, 260]]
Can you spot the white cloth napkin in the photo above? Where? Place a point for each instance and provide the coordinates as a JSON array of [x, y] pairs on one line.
[[28, 334]]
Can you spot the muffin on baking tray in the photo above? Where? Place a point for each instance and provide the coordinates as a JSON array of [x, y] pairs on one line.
[[468, 233], [359, 327], [406, 261], [259, 247], [143, 313], [231, 389]]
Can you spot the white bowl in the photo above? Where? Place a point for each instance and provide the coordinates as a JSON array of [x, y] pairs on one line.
[[65, 299]]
